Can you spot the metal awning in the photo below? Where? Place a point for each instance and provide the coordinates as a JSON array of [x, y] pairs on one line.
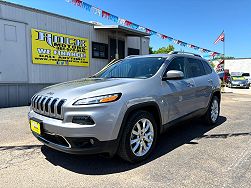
[[121, 29]]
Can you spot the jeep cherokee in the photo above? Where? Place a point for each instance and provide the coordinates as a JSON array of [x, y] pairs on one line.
[[126, 106]]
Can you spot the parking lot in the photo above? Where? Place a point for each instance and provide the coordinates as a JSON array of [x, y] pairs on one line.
[[188, 155]]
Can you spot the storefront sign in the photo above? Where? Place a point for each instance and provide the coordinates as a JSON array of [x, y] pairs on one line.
[[59, 49]]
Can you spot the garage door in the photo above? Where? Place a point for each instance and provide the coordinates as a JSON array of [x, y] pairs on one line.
[[13, 52]]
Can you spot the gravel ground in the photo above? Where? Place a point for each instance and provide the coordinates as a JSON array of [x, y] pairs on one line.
[[188, 155]]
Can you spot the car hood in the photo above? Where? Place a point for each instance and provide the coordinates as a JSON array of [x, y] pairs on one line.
[[77, 88]]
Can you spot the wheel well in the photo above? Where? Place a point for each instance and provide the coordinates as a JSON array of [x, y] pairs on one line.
[[217, 94], [151, 108]]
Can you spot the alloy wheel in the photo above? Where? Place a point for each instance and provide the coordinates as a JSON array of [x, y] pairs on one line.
[[214, 110], [142, 137]]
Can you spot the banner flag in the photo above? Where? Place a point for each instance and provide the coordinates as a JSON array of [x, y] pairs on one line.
[[121, 21], [86, 6], [105, 14], [135, 26], [132, 25], [114, 18], [97, 11], [128, 23], [142, 28], [170, 39]]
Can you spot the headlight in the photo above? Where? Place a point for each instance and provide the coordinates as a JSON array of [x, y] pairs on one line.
[[99, 99]]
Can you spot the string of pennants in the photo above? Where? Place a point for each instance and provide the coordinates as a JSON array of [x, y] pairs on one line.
[[134, 26]]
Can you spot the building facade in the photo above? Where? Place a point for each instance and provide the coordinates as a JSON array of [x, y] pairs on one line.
[[232, 66], [241, 65], [39, 48]]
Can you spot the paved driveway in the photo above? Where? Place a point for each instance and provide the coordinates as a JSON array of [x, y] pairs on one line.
[[189, 155]]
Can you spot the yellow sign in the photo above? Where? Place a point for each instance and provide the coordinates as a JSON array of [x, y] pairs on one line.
[[59, 49]]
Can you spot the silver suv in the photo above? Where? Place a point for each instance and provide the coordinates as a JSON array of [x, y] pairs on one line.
[[126, 106]]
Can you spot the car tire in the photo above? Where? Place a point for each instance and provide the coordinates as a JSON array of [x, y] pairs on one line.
[[137, 142], [212, 115]]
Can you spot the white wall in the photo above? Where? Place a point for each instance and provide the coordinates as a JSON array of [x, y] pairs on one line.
[[238, 65], [134, 42]]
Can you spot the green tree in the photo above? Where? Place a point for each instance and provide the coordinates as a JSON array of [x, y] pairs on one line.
[[226, 57], [151, 50], [164, 50]]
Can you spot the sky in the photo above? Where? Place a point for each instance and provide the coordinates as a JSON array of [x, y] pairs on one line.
[[198, 22]]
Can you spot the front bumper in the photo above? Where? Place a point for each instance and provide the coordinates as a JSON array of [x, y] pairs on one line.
[[69, 137], [78, 145], [240, 85]]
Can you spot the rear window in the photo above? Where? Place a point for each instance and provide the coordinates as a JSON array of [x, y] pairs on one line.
[[207, 67], [194, 68]]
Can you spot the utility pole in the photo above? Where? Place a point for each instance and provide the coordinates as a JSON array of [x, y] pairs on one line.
[[224, 39]]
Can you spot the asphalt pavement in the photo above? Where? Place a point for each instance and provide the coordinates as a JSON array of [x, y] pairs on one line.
[[188, 155]]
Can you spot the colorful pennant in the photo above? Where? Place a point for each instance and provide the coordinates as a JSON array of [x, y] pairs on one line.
[[134, 26]]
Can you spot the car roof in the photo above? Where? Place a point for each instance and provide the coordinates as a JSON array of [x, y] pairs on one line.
[[167, 56], [149, 55]]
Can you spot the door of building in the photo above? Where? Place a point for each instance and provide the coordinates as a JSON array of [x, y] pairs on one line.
[[113, 46], [13, 54]]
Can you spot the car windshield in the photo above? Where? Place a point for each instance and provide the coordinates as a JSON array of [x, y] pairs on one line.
[[238, 78], [144, 67]]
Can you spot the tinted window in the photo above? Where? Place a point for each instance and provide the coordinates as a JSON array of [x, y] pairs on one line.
[[176, 64], [194, 68], [207, 67], [99, 50], [245, 74], [133, 51]]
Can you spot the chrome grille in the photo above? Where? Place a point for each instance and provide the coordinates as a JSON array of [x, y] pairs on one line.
[[47, 106]]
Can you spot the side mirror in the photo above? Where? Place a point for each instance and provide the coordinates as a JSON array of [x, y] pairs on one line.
[[173, 75]]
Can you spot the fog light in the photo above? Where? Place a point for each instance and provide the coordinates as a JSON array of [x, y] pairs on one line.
[[83, 120]]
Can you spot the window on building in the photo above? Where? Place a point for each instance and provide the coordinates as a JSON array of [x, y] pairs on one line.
[[99, 50], [133, 51]]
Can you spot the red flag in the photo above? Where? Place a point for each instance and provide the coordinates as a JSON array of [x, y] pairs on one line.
[[164, 37], [128, 23], [105, 14], [220, 38], [214, 54]]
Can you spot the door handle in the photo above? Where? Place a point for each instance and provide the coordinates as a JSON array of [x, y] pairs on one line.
[[210, 81], [190, 85]]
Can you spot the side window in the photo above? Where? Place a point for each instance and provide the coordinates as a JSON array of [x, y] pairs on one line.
[[194, 68], [176, 64], [207, 67]]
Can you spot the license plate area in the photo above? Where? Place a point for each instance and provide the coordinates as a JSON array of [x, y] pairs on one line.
[[36, 126]]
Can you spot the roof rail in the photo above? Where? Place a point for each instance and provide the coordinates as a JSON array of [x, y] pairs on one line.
[[131, 56], [181, 52]]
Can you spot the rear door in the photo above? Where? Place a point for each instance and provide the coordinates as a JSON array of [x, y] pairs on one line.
[[178, 95], [203, 82]]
